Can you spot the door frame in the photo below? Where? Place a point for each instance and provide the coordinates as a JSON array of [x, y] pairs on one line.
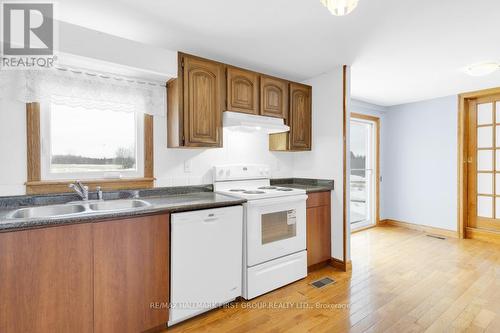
[[376, 121], [462, 204]]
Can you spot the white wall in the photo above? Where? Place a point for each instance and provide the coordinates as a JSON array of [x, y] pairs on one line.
[[169, 163], [326, 159], [420, 163], [238, 148], [87, 43], [13, 171], [118, 54]]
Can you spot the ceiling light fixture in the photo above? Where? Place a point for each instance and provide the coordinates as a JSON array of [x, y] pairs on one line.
[[482, 69], [340, 7]]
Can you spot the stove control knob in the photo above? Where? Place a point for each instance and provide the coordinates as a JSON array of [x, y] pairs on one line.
[[228, 172], [221, 172]]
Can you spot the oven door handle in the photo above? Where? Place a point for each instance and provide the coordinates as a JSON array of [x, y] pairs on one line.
[[274, 201]]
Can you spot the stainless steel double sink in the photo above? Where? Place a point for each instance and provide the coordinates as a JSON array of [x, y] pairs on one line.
[[77, 208]]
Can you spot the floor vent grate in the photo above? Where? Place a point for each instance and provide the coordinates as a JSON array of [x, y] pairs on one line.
[[438, 237], [322, 282]]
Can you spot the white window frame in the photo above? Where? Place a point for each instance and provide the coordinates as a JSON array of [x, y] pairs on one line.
[[45, 142]]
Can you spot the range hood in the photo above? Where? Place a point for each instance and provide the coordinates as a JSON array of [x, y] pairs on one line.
[[252, 123]]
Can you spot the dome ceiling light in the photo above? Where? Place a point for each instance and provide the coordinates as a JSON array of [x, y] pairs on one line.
[[482, 69], [340, 7]]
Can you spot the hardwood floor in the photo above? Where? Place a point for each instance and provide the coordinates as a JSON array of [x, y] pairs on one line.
[[401, 281]]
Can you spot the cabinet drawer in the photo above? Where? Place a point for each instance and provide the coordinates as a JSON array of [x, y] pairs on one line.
[[318, 199]]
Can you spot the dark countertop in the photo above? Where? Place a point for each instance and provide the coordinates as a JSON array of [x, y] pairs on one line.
[[161, 200], [161, 203], [307, 184]]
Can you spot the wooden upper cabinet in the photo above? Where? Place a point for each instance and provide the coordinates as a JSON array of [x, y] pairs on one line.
[[273, 97], [205, 88], [242, 91], [300, 117], [195, 104], [202, 102]]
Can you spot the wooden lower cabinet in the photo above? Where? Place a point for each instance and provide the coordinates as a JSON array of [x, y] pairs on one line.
[[46, 280], [110, 276], [318, 229], [131, 274]]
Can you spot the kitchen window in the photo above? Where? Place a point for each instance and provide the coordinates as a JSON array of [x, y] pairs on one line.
[[92, 127], [91, 143]]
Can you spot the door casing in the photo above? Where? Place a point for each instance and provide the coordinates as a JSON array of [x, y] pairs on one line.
[[376, 121], [463, 112]]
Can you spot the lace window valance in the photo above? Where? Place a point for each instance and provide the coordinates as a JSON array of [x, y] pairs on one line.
[[75, 87]]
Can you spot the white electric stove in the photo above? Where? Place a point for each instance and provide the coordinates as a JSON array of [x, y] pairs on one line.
[[274, 231]]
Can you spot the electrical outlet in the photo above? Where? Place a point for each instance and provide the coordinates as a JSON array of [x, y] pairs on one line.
[[187, 166]]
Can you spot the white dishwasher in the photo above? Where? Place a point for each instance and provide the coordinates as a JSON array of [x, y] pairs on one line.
[[206, 260]]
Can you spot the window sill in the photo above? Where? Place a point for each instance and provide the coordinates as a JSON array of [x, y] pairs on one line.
[[61, 186]]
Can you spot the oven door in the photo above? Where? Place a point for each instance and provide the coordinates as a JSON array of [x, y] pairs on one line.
[[275, 228]]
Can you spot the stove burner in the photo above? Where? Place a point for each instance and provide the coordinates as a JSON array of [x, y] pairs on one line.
[[267, 188], [284, 189], [237, 190], [254, 192]]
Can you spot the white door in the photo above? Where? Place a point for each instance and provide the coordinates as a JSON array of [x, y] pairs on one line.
[[275, 228], [363, 189]]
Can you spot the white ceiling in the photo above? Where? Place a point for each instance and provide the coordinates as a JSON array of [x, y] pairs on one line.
[[400, 50]]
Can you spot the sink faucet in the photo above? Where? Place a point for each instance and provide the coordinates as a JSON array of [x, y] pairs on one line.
[[98, 190], [80, 189]]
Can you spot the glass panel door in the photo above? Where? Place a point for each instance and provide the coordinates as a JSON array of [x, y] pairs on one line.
[[484, 163], [362, 158]]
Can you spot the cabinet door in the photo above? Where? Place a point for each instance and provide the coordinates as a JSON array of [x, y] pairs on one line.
[[46, 277], [273, 97], [300, 117], [202, 83], [318, 235], [131, 275], [242, 91]]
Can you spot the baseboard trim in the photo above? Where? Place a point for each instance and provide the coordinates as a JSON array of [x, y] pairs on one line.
[[419, 227], [364, 228], [341, 265], [317, 266], [483, 235]]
